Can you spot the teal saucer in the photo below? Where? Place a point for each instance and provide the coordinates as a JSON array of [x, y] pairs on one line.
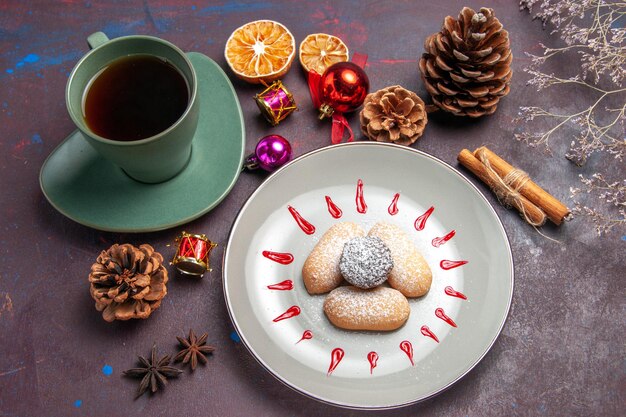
[[90, 190]]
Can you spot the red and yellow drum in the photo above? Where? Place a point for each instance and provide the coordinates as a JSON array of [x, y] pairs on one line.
[[192, 256]]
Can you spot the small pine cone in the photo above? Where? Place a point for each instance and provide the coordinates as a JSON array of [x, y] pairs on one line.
[[467, 65], [128, 282], [393, 114]]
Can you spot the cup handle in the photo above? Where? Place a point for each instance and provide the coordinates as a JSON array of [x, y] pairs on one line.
[[96, 39]]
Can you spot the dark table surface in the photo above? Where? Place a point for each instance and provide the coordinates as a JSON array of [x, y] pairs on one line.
[[561, 352]]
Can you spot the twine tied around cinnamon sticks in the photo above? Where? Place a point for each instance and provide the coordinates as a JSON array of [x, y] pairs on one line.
[[507, 190], [514, 188]]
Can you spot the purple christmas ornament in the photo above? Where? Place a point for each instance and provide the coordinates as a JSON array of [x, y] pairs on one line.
[[272, 152]]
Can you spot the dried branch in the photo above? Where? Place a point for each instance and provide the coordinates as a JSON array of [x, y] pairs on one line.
[[593, 32], [612, 193]]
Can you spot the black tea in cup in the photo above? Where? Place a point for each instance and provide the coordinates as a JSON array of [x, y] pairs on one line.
[[135, 97]]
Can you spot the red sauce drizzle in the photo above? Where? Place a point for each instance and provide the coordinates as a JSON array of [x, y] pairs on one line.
[[306, 227], [438, 241], [453, 293], [361, 207], [286, 285], [426, 332], [307, 335], [335, 357], [281, 258], [440, 313], [407, 348], [291, 312], [445, 264], [420, 222], [372, 357], [332, 208], [393, 207]]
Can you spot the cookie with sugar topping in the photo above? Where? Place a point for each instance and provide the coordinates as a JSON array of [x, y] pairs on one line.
[[378, 309], [410, 274], [321, 272], [365, 262]]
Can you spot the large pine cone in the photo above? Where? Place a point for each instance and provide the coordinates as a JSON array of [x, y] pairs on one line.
[[393, 114], [128, 282], [467, 66]]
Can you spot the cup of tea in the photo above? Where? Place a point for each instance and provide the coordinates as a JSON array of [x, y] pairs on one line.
[[134, 99]]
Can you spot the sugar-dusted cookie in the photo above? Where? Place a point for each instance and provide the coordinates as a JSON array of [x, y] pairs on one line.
[[380, 308], [321, 272], [365, 262], [410, 275]]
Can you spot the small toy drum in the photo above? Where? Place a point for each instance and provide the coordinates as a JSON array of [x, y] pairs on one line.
[[275, 103], [192, 256]]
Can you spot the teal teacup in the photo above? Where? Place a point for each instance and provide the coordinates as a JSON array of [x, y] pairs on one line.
[[151, 159]]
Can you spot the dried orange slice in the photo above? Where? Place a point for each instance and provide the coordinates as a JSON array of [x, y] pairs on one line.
[[320, 50], [260, 51]]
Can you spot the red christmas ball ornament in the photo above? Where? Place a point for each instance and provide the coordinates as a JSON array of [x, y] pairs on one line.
[[342, 88]]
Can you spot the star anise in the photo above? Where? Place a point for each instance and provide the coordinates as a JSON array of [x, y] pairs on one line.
[[153, 372], [194, 349]]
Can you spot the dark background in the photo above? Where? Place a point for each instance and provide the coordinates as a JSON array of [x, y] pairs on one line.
[[561, 352]]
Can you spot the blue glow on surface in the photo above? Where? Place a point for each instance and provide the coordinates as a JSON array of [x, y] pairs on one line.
[[235, 337], [107, 370], [30, 58], [115, 29], [37, 63], [234, 7]]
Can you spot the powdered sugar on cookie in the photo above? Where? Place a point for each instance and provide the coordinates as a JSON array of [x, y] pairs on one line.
[[365, 262], [321, 271], [353, 308], [410, 275]]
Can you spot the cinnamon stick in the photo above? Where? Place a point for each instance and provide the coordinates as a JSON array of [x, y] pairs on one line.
[[554, 209], [523, 205]]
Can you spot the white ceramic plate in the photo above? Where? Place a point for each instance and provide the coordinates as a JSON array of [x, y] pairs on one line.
[[422, 181]]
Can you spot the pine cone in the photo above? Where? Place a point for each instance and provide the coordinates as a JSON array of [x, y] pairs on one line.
[[467, 66], [128, 282], [393, 114]]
